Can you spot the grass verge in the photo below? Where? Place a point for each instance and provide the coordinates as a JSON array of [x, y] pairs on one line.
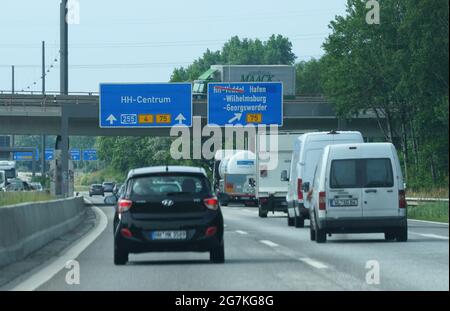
[[11, 198], [429, 211]]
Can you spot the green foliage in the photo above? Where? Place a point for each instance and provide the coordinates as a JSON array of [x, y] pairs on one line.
[[398, 70], [430, 212], [277, 50], [308, 80], [11, 198]]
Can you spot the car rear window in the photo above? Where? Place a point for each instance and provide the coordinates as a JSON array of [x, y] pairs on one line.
[[344, 174], [361, 173], [165, 185], [378, 173]]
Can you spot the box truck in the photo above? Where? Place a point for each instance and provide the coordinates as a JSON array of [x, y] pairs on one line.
[[246, 73], [273, 160]]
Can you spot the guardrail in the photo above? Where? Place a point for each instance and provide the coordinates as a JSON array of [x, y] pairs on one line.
[[416, 201]]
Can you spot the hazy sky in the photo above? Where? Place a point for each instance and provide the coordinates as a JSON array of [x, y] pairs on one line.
[[143, 40]]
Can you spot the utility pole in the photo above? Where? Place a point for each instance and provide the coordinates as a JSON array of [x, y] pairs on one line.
[[12, 142], [64, 90], [43, 67], [43, 168], [64, 35], [12, 79]]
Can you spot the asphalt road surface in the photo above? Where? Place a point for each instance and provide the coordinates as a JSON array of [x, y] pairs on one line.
[[266, 254]]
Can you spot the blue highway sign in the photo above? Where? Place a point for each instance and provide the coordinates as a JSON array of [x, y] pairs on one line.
[[90, 155], [145, 105], [49, 154], [25, 156], [75, 154], [245, 103]]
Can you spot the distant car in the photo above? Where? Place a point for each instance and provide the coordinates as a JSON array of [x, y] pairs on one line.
[[18, 185], [170, 208], [37, 186], [96, 189], [108, 186]]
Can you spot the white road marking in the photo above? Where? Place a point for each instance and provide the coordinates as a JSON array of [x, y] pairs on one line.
[[430, 235], [54, 267], [313, 263], [269, 243], [241, 232], [430, 222]]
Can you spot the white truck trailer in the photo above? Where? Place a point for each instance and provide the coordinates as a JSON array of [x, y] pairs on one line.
[[273, 160]]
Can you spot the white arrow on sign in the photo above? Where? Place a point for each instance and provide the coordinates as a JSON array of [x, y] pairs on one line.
[[180, 118], [237, 117], [111, 119]]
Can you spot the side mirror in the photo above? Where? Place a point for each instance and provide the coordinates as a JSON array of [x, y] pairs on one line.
[[284, 176], [305, 187], [110, 200]]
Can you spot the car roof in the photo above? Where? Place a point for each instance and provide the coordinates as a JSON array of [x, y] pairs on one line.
[[165, 169]]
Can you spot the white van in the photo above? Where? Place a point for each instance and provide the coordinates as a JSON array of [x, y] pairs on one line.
[[307, 150], [358, 188]]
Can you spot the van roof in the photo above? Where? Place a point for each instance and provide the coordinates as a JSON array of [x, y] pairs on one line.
[[312, 134], [165, 169], [365, 150]]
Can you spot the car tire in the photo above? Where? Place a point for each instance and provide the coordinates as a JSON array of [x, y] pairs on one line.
[[262, 213], [402, 234], [299, 222], [321, 235], [120, 256], [389, 236], [312, 232], [290, 221], [217, 255]]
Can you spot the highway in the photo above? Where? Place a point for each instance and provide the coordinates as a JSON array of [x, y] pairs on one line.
[[265, 254]]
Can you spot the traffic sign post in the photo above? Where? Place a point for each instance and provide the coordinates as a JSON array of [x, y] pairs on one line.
[[145, 105], [257, 103], [75, 154], [90, 155]]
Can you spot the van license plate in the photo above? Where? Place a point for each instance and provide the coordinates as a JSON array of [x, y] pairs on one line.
[[344, 202], [168, 235]]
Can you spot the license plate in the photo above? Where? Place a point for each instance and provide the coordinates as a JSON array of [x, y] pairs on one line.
[[344, 202], [168, 235]]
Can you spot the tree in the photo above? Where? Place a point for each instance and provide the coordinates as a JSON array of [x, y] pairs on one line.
[[236, 51], [399, 71], [308, 80]]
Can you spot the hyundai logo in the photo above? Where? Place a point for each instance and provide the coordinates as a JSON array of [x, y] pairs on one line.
[[167, 202]]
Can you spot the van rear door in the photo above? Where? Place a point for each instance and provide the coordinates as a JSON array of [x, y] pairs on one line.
[[344, 195], [380, 194]]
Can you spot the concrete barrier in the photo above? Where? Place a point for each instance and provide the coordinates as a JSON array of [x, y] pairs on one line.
[[24, 228]]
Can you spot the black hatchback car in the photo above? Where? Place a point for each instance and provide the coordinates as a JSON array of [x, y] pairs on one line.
[[169, 208]]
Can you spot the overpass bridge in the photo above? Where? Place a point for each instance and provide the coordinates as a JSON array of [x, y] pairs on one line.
[[77, 114]]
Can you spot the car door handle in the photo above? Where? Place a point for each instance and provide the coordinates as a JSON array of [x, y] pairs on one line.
[[371, 191]]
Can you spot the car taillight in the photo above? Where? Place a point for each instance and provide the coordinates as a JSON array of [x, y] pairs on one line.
[[401, 199], [126, 233], [211, 203], [263, 200], [210, 231], [124, 205], [322, 201], [299, 189]]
